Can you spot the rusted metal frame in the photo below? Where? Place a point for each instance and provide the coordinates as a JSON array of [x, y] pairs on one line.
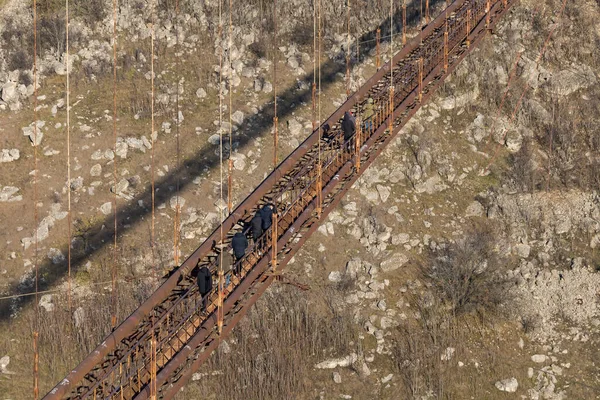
[[129, 324], [138, 343], [206, 330], [202, 356]]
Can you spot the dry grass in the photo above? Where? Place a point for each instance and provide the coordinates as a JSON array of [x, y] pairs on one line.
[[274, 349], [65, 336]]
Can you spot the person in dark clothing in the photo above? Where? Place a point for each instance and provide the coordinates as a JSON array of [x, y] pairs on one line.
[[204, 278], [256, 229], [326, 134], [239, 243], [266, 213], [349, 128]]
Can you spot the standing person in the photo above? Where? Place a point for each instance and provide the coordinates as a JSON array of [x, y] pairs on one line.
[[226, 260], [239, 243], [266, 214], [326, 134], [349, 128], [204, 278], [257, 229], [368, 113]]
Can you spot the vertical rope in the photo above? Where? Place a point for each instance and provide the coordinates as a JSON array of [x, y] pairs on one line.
[[275, 119], [69, 215], [178, 185], [36, 356], [275, 123], [403, 22], [348, 49], [221, 232], [153, 171], [314, 85], [378, 58], [319, 166], [114, 266], [320, 22], [153, 365], [391, 122], [230, 164]]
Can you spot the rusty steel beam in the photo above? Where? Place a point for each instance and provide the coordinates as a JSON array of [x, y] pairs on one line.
[[128, 327]]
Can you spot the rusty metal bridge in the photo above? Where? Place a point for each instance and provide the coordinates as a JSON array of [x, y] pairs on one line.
[[155, 351]]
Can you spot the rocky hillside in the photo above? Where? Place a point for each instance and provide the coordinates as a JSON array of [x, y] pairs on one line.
[[463, 264]]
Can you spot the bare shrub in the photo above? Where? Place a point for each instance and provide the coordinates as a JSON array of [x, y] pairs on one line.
[[20, 59], [66, 335], [466, 275], [522, 173], [274, 349]]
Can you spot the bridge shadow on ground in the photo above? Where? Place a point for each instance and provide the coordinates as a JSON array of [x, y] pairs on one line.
[[256, 126]]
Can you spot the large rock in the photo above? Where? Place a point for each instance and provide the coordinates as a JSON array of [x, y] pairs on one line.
[[295, 127], [120, 187], [9, 155], [394, 262], [384, 192], [201, 93], [106, 208], [431, 185], [35, 136], [7, 194], [46, 302], [4, 361], [475, 209], [571, 80], [354, 267], [9, 92], [337, 362], [507, 385]]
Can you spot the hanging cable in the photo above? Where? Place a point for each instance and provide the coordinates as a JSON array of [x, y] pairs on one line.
[[403, 23], [69, 215], [153, 361], [275, 122], [221, 232], [275, 118], [36, 355], [230, 164], [348, 49], [391, 116], [314, 84], [319, 163], [114, 266], [176, 232], [152, 135]]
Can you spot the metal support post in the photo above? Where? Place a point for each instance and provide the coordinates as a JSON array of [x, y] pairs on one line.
[[468, 27], [275, 141], [220, 294], [391, 105], [230, 183], [420, 79], [377, 58], [427, 11], [314, 106], [446, 47], [357, 144], [274, 244], [319, 190]]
